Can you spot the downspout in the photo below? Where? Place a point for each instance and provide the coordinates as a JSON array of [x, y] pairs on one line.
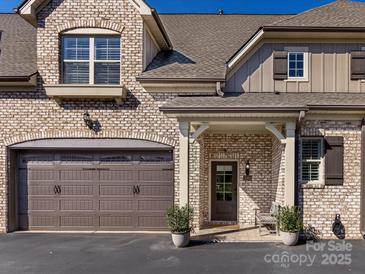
[[219, 90], [362, 196]]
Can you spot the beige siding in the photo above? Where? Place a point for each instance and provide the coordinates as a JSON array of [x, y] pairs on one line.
[[150, 48], [329, 70]]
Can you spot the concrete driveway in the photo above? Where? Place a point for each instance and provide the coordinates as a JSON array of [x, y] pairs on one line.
[[134, 253]]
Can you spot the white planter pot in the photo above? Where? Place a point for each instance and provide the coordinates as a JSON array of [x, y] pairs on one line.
[[181, 239], [289, 239]]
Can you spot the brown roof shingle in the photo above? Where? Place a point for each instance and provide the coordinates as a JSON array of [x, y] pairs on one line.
[[341, 13], [261, 101], [18, 47], [203, 43]]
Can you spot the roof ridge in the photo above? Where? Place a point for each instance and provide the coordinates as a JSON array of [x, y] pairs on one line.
[[228, 14], [307, 11]]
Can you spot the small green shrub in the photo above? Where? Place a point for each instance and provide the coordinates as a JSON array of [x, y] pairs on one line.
[[290, 219], [179, 219]]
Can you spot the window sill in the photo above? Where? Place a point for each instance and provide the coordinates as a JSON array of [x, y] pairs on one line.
[[312, 185], [296, 80], [66, 91]]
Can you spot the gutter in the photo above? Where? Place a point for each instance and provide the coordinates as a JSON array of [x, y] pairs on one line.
[[157, 18], [15, 78], [336, 107], [311, 29], [231, 109], [178, 80]]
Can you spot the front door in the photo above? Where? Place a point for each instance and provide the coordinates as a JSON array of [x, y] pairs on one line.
[[224, 191]]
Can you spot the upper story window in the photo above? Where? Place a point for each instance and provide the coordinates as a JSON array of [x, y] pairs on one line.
[[296, 64], [312, 160], [91, 60]]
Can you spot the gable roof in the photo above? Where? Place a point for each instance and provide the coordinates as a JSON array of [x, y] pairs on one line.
[[339, 17], [341, 13], [29, 9], [18, 47], [202, 44]]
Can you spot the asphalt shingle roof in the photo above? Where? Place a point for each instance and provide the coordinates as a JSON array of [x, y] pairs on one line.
[[342, 13], [18, 54], [203, 43], [265, 101]]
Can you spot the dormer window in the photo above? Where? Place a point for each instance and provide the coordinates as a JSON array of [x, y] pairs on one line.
[[91, 60]]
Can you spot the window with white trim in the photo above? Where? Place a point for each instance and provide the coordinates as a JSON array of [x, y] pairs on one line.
[[91, 60], [296, 64], [312, 160]]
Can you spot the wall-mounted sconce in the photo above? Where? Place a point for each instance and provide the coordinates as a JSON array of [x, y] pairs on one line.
[[90, 123], [247, 168]]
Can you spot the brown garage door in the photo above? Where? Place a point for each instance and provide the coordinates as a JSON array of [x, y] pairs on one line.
[[79, 191]]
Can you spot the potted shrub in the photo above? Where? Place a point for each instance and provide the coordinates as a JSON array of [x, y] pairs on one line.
[[290, 219], [179, 222]]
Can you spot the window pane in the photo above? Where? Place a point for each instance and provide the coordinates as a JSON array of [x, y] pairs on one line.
[[311, 149], [224, 182], [76, 48], [310, 171], [300, 56], [311, 159], [107, 48], [107, 73], [296, 64], [292, 56], [76, 73], [292, 73]]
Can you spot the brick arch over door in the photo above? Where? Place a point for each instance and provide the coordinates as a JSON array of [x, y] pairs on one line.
[[82, 135], [90, 23]]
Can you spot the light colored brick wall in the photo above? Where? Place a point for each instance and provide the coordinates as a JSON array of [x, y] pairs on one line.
[[252, 194], [321, 204], [32, 115]]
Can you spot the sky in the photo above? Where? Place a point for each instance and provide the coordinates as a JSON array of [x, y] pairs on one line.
[[212, 6]]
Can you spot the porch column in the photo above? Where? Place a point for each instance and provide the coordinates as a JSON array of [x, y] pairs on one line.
[[290, 164], [184, 163]]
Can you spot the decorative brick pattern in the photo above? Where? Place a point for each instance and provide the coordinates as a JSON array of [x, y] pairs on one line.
[[320, 204]]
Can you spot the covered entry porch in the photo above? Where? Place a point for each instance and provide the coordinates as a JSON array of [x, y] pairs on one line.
[[234, 161], [236, 169]]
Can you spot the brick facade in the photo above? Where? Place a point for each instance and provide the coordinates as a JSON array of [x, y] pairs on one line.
[[32, 115], [321, 203], [252, 194]]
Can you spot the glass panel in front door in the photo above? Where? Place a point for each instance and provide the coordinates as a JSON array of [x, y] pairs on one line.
[[224, 183]]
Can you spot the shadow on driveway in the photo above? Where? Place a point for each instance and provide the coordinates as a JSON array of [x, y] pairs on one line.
[[140, 253]]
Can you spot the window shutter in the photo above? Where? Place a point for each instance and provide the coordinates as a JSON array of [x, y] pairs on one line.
[[334, 160], [357, 65], [280, 65]]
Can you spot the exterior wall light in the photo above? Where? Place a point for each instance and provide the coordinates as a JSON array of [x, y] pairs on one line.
[[90, 123], [247, 168]]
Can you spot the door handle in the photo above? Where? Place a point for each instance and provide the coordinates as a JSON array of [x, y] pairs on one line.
[[134, 190], [57, 189], [139, 191]]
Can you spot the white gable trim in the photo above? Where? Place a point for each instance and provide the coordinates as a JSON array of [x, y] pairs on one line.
[[246, 48], [142, 7]]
